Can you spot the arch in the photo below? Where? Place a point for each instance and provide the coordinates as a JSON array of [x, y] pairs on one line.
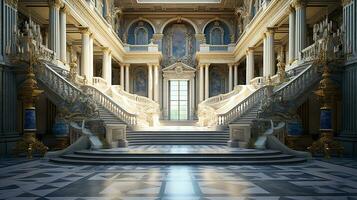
[[218, 19], [140, 19], [183, 19], [133, 29], [214, 24]]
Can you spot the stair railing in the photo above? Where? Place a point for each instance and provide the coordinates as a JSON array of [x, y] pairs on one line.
[[67, 90], [222, 97], [299, 83], [242, 107], [111, 105]]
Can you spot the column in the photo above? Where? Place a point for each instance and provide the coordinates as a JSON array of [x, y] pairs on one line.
[[107, 68], [63, 39], [206, 81], [264, 53], [90, 64], [270, 54], [85, 52], [300, 27], [122, 81], [165, 97], [235, 74], [201, 77], [250, 65], [127, 86], [156, 82], [230, 74], [150, 81], [192, 95], [291, 35], [54, 44]]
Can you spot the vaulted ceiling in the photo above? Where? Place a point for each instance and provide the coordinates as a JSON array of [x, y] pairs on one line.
[[178, 5]]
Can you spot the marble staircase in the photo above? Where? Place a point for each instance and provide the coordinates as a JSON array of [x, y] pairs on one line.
[[178, 154]]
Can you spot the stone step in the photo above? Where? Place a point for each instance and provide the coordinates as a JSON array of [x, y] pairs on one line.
[[173, 162]]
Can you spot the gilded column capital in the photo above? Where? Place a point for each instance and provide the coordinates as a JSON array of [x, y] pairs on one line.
[[345, 2], [230, 64], [250, 49], [106, 50], [65, 9], [270, 30], [85, 30], [291, 9], [55, 3], [299, 4]]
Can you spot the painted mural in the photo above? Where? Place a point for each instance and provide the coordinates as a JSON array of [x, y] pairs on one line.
[[179, 44], [140, 81], [217, 81]]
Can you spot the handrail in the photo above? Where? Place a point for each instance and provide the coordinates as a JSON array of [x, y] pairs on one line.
[[67, 90], [298, 83], [111, 105], [242, 107], [99, 81], [222, 97]]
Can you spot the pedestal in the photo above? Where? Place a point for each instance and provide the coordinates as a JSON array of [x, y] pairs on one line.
[[116, 135], [239, 135]]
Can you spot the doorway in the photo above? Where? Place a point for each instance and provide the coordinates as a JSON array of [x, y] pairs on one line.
[[178, 98]]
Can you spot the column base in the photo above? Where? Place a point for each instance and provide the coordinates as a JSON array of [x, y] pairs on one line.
[[233, 143]]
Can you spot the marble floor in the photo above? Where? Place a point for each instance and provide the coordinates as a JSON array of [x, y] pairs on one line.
[[39, 179]]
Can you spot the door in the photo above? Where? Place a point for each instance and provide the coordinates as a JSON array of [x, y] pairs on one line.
[[178, 100]]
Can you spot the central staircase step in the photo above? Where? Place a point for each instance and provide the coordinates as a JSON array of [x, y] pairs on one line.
[[178, 154]]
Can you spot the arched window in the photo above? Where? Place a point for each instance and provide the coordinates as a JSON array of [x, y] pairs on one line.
[[216, 36], [141, 36]]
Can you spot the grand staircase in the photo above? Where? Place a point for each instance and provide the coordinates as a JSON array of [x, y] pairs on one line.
[[209, 154], [192, 137]]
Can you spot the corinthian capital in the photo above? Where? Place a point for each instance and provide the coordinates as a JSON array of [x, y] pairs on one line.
[[345, 2], [298, 3], [12, 3], [55, 3]]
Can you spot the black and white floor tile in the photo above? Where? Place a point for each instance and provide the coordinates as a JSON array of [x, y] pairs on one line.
[[315, 180]]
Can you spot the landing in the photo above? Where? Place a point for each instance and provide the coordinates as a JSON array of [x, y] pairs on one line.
[[181, 125], [182, 149]]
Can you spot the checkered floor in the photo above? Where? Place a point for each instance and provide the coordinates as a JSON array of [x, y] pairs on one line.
[[39, 179]]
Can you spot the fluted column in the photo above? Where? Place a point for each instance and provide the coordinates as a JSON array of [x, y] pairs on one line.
[[292, 35], [268, 69], [230, 76], [201, 77], [85, 52], [107, 67], [91, 49], [127, 87], [235, 75], [63, 38], [54, 24], [150, 81], [156, 82], [300, 27], [122, 81], [206, 81], [250, 65]]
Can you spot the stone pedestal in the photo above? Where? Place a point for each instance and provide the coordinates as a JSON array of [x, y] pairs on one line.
[[239, 135], [116, 135]]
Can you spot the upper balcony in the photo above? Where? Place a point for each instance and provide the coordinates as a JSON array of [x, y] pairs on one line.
[[207, 48], [141, 48]]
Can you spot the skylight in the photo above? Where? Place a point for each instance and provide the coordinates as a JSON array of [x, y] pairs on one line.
[[179, 1]]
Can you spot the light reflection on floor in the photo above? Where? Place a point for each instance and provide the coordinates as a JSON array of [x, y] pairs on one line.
[[335, 179]]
